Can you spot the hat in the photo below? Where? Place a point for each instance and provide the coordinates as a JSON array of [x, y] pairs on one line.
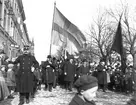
[[2, 52], [70, 57], [84, 60], [49, 56], [86, 82], [54, 58], [26, 47]]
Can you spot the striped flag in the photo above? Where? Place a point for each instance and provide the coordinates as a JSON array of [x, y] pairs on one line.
[[65, 32]]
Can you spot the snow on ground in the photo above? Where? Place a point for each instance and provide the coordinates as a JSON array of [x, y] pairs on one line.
[[62, 97]]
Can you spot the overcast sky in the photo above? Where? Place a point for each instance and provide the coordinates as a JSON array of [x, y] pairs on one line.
[[39, 15]]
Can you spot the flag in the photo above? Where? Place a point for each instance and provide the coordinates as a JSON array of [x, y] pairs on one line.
[[118, 46], [70, 47], [117, 43], [62, 29]]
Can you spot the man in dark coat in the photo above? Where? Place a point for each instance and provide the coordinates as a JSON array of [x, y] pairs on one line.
[[49, 70], [54, 62], [101, 75], [132, 101], [25, 74], [69, 72], [84, 69]]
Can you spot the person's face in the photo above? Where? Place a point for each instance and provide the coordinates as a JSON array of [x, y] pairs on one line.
[[102, 63], [90, 94], [85, 63], [3, 55], [49, 59], [26, 51], [3, 69], [71, 60]]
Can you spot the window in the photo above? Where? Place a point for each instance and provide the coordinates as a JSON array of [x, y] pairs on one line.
[[0, 10], [4, 24]]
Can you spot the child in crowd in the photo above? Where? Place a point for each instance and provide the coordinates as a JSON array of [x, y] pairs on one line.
[[4, 92], [10, 79], [86, 86]]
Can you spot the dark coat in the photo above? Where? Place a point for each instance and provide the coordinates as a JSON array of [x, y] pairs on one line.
[[134, 79], [78, 101], [101, 75], [48, 72], [84, 70], [24, 75], [132, 101], [70, 69]]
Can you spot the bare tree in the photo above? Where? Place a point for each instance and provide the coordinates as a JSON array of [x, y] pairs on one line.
[[101, 33], [128, 29]]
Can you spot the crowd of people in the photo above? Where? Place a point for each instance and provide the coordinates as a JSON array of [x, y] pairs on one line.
[[25, 75], [65, 72]]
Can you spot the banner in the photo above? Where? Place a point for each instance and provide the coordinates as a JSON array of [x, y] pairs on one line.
[[65, 32]]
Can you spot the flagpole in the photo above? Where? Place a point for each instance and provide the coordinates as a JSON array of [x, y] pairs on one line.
[[65, 51], [52, 28]]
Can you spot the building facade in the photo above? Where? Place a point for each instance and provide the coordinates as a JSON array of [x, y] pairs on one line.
[[13, 31]]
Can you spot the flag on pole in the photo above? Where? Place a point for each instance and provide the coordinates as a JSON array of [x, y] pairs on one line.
[[63, 29], [117, 43], [118, 46]]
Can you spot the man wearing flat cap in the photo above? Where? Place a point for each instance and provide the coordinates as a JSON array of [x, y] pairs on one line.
[[25, 74], [86, 86]]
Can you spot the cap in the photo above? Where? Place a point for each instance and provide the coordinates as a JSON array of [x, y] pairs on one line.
[[2, 52], [26, 47], [49, 56], [54, 58], [86, 82], [70, 57], [84, 60]]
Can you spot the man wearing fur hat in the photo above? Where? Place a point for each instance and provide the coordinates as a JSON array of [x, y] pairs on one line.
[[25, 74]]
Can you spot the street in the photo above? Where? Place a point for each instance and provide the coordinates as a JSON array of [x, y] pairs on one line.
[[62, 97]]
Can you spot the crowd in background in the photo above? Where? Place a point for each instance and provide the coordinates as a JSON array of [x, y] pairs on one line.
[[64, 72]]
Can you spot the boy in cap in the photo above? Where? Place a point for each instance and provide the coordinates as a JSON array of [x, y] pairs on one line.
[[86, 86]]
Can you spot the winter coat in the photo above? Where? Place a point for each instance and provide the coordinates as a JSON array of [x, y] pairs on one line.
[[48, 72], [78, 101], [10, 80], [101, 75], [70, 70], [84, 70], [134, 79], [25, 76], [4, 92]]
